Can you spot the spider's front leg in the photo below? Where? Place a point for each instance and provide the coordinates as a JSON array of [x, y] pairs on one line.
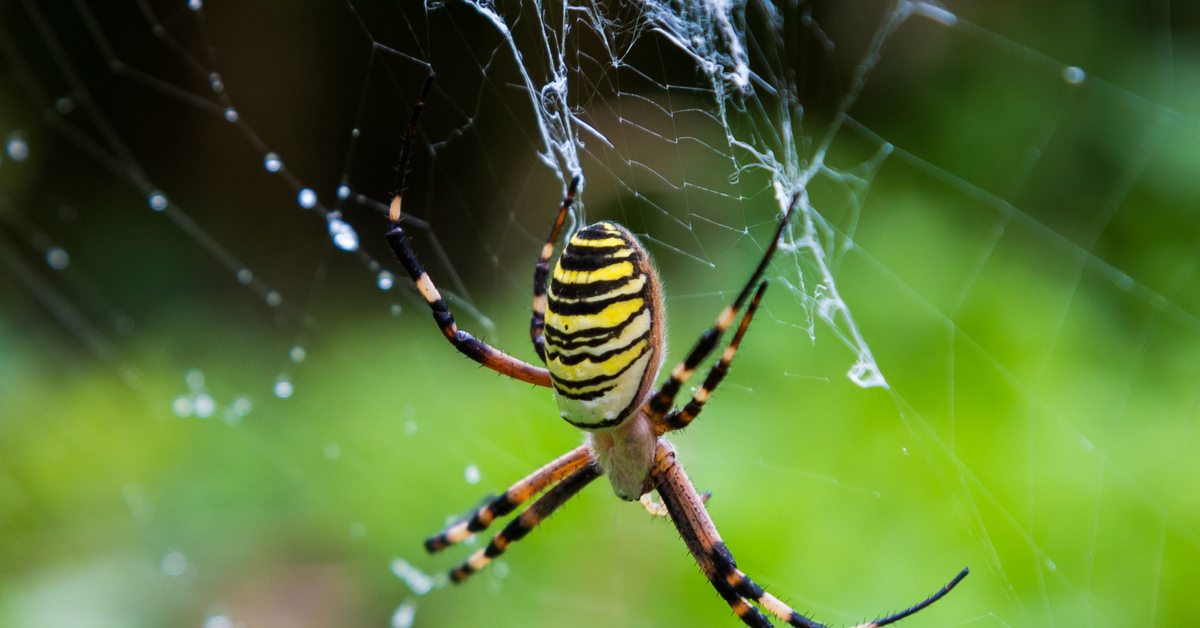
[[696, 527], [568, 474]]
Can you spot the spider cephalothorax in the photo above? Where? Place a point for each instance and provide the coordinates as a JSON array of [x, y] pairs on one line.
[[599, 330]]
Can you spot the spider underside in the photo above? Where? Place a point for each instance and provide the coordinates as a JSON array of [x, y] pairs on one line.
[[599, 329]]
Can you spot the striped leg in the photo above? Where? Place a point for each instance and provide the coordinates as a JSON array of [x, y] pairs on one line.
[[680, 419], [516, 495], [467, 344], [527, 521], [541, 273], [701, 536], [661, 402]]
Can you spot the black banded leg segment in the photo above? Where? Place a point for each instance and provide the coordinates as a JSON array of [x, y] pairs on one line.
[[680, 419], [516, 495], [467, 344], [687, 511], [660, 403], [541, 273], [527, 520]]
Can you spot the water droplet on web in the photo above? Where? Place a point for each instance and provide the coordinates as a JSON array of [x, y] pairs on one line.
[[16, 147], [274, 299], [271, 162], [344, 236], [57, 258], [297, 354], [396, 309], [1050, 565], [214, 80], [472, 475], [217, 621], [410, 427], [182, 406], [358, 530], [385, 280], [404, 615], [1125, 282], [500, 569], [354, 132], [231, 114], [283, 387], [245, 276], [332, 451], [194, 379], [195, 5], [307, 198], [64, 105], [343, 191], [1073, 75], [242, 406], [204, 405], [905, 450], [414, 578], [158, 201], [174, 564]]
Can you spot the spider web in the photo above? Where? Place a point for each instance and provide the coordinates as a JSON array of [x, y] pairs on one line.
[[978, 349]]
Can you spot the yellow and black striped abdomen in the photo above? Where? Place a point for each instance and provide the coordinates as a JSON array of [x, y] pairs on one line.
[[603, 326]]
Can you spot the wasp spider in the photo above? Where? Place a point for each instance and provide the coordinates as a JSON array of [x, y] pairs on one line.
[[599, 330]]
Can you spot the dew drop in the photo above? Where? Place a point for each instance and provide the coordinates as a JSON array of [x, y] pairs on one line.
[[16, 146], [214, 80], [396, 309], [64, 105], [245, 276], [283, 387], [274, 299], [472, 475], [182, 406], [354, 132], [194, 379], [174, 564], [344, 236], [57, 258], [404, 615], [231, 114], [307, 198], [410, 427], [343, 191], [414, 578], [204, 405], [500, 569], [271, 162], [242, 406], [385, 280], [196, 5], [1073, 75], [1050, 565], [158, 201], [297, 354]]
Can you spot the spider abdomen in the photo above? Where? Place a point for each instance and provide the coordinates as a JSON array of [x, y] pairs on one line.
[[603, 331]]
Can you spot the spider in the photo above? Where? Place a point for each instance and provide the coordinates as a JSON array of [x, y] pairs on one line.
[[599, 328]]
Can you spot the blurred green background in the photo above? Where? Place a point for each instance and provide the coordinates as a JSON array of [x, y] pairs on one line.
[[1019, 252]]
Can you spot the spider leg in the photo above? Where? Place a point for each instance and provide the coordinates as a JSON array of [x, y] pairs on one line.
[[467, 344], [681, 418], [698, 531], [516, 495], [527, 520], [661, 402], [656, 509], [541, 272]]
